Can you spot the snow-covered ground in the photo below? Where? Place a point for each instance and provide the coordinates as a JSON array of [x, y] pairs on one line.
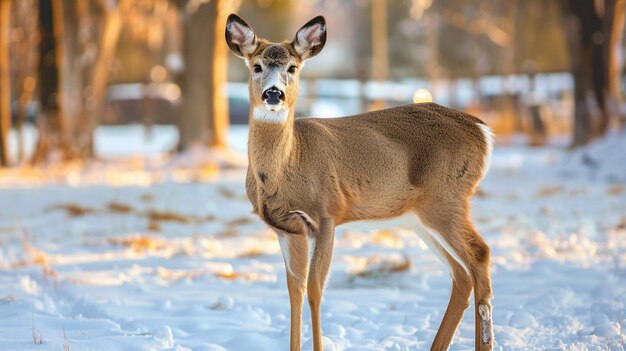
[[177, 261]]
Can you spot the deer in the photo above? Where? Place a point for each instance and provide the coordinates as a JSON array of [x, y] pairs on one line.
[[306, 176]]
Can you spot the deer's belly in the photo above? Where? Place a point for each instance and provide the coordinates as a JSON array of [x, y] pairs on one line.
[[383, 202]]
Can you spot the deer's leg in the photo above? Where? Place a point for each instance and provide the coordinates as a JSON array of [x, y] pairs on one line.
[[318, 271], [459, 297], [451, 228], [481, 277], [459, 302], [295, 248]]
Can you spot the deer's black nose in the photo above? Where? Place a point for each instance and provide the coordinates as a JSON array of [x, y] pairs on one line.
[[273, 96]]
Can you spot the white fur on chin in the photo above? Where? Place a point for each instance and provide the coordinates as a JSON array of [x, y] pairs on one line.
[[270, 114]]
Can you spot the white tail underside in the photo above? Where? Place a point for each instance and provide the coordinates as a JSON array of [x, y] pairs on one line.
[[489, 139]]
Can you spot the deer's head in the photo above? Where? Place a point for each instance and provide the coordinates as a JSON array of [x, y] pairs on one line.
[[274, 67]]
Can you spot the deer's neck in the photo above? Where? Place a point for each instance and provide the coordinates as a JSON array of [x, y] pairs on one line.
[[271, 141]]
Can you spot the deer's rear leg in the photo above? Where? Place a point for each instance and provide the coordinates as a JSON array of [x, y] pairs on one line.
[[295, 248], [459, 302], [481, 277], [320, 263], [464, 248]]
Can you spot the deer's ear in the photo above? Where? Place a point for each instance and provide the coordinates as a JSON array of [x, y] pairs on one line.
[[240, 37], [310, 39]]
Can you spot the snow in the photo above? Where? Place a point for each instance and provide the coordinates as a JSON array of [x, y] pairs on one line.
[[179, 262]]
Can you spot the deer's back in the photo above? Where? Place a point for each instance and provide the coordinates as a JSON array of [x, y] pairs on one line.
[[378, 161]]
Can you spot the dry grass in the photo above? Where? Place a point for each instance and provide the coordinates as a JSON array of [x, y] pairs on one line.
[[252, 252], [66, 342], [616, 190], [73, 210], [402, 266], [173, 276], [218, 306], [147, 197], [388, 238], [207, 171], [153, 226], [139, 244], [376, 267], [577, 192], [169, 216], [50, 274], [479, 192], [117, 207], [549, 191], [227, 233], [622, 224], [240, 221], [37, 257], [621, 333], [227, 193], [227, 275], [37, 338], [231, 195], [484, 219], [154, 216]]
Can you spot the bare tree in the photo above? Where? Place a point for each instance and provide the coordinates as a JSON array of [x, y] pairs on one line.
[[24, 44], [594, 31], [111, 29], [48, 119], [85, 35], [218, 96], [203, 116], [5, 80]]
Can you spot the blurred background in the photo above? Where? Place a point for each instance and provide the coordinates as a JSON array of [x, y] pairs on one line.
[[124, 220], [83, 80]]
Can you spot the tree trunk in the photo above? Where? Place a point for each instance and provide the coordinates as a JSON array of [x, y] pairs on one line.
[[218, 78], [380, 47], [581, 125], [5, 80], [615, 57], [25, 45], [592, 28], [203, 115], [109, 37], [194, 80], [52, 121], [79, 85], [605, 12], [70, 80]]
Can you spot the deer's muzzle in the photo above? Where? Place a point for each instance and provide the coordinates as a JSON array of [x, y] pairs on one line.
[[273, 96]]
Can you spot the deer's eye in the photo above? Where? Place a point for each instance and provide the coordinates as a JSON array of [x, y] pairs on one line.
[[291, 69], [258, 69]]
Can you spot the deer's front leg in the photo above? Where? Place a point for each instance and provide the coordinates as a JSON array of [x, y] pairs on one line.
[[320, 263], [295, 248]]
